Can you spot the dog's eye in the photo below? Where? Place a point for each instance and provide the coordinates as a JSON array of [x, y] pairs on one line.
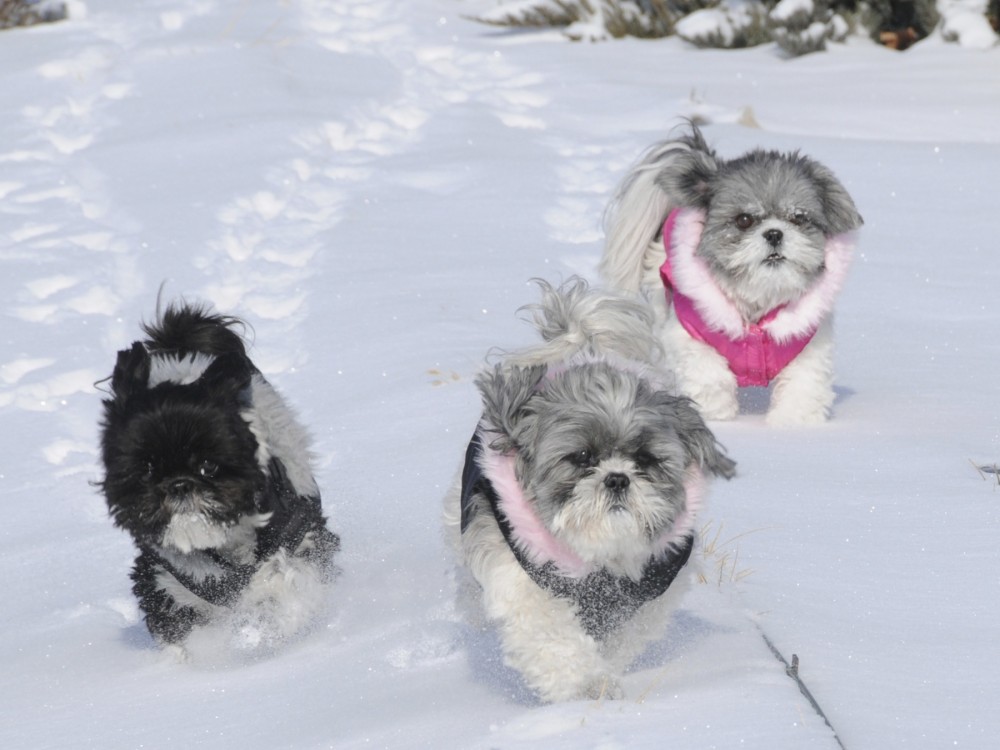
[[208, 469], [744, 221], [148, 470], [583, 458], [645, 459], [799, 218]]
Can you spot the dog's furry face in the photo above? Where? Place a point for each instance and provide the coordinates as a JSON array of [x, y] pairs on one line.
[[601, 454], [768, 216], [180, 460]]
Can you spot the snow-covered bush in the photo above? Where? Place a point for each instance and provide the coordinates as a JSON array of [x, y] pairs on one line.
[[797, 26], [971, 23], [29, 12], [588, 19], [803, 26], [730, 24]]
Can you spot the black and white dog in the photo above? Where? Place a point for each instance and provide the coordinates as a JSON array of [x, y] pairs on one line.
[[208, 470], [576, 509]]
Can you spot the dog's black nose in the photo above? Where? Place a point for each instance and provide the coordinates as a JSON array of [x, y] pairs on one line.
[[616, 482], [180, 486], [773, 237]]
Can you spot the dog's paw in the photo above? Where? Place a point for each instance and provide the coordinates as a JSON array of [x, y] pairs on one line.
[[602, 687], [718, 402], [176, 653], [792, 418], [719, 412], [247, 637]]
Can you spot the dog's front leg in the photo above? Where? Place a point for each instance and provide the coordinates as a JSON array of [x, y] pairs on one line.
[[544, 640], [803, 391], [703, 375]]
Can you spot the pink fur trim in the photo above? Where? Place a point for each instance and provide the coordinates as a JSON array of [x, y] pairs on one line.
[[694, 499], [530, 533], [694, 279]]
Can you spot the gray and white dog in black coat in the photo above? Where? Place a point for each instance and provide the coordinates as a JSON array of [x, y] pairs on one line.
[[576, 509], [208, 470]]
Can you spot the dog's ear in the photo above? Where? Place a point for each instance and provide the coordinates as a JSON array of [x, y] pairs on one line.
[[687, 178], [229, 373], [506, 393], [838, 207], [699, 442], [131, 373]]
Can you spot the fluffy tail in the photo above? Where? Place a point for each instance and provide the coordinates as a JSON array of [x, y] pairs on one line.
[[638, 209], [574, 319], [186, 329]]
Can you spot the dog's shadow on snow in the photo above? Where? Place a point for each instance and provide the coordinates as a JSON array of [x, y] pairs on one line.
[[754, 400], [842, 394], [487, 666], [137, 637], [757, 401], [485, 655], [685, 631]]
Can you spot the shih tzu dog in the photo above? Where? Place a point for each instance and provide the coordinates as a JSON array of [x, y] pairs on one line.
[[576, 508], [741, 260], [208, 470]]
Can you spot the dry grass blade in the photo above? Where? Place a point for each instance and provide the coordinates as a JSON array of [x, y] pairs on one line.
[[985, 469], [725, 554]]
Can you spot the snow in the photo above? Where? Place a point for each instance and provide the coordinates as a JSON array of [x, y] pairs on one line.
[[709, 23], [785, 10], [964, 21], [371, 184]]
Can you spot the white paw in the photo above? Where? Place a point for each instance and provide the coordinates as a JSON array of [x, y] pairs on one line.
[[602, 687], [176, 653], [247, 638], [718, 411], [792, 418], [715, 401]]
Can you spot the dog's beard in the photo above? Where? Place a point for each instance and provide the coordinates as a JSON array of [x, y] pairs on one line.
[[201, 518], [759, 275], [191, 530], [616, 529], [197, 520]]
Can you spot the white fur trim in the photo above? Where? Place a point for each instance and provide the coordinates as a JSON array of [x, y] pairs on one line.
[[807, 312]]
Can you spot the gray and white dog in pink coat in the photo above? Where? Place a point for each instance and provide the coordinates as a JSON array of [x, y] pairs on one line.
[[576, 509], [741, 261]]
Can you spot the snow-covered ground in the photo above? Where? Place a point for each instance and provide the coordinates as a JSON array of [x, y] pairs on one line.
[[371, 184]]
